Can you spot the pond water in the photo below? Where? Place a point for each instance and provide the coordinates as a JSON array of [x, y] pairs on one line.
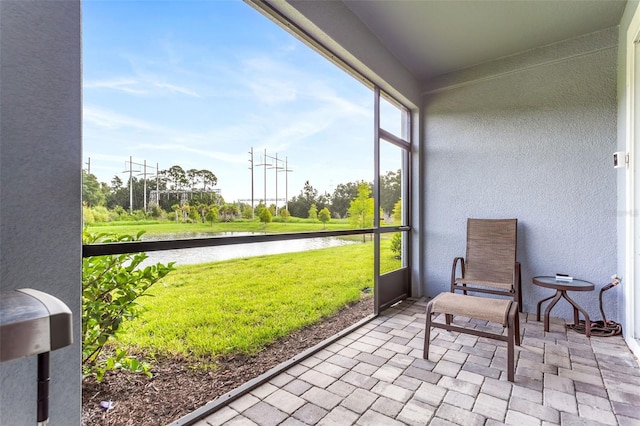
[[212, 254]]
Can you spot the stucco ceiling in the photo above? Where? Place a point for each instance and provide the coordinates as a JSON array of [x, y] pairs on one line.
[[433, 37]]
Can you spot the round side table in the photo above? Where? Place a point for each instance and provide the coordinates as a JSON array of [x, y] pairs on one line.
[[561, 288]]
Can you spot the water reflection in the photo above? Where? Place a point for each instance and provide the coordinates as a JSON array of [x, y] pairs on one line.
[[190, 235], [213, 254]]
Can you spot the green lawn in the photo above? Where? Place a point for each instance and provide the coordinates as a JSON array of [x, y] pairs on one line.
[[153, 228], [240, 306]]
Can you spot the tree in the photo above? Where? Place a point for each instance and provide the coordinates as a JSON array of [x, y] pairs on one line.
[[284, 214], [313, 213], [194, 214], [265, 216], [116, 183], [247, 212], [176, 177], [186, 209], [92, 194], [258, 208], [197, 183], [341, 198], [325, 216], [213, 214], [229, 211], [120, 194], [390, 190], [361, 208], [192, 178], [208, 179], [299, 206], [203, 209], [397, 212], [176, 210]]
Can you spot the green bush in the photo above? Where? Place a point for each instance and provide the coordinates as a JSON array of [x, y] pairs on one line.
[[87, 215], [110, 286], [265, 216], [156, 212], [396, 244], [100, 213]]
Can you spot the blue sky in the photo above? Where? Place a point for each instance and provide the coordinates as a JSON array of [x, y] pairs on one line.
[[200, 83]]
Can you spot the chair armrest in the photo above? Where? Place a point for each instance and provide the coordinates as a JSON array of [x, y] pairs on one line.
[[453, 270]]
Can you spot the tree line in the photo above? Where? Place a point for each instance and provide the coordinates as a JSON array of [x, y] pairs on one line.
[[198, 186]]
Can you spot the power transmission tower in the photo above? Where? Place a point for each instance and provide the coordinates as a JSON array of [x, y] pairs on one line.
[[251, 168], [265, 165], [130, 171], [286, 182], [145, 175], [276, 167]]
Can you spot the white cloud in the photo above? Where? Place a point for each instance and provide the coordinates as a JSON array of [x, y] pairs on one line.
[[176, 89], [120, 84], [272, 82], [216, 155], [273, 92], [143, 85], [113, 120]]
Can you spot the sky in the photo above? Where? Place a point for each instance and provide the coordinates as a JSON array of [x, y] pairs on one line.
[[200, 84]]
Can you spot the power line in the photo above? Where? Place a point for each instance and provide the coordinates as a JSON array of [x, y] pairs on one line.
[[130, 171], [265, 165], [280, 166]]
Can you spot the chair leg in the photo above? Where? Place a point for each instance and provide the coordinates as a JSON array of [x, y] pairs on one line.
[[427, 333], [518, 295], [511, 337], [448, 318], [517, 324]]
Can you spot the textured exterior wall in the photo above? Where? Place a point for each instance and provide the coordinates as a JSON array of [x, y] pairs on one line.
[[40, 189], [528, 137]]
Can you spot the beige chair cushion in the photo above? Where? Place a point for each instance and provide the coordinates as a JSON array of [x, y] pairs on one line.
[[484, 308]]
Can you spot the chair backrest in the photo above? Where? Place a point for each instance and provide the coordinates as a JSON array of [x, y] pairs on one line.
[[491, 250]]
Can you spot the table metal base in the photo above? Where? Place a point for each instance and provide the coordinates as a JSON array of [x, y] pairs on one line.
[[559, 294]]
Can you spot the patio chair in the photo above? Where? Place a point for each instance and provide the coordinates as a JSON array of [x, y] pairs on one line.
[[490, 267]]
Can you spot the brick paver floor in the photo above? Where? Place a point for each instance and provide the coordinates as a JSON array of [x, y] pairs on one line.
[[376, 376]]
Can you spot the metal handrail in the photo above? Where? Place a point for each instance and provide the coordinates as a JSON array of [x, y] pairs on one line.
[[101, 249]]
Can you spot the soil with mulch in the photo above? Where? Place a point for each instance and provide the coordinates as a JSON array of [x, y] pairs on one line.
[[178, 387]]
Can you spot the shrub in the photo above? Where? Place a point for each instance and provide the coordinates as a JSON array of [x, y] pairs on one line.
[[101, 214], [324, 216], [87, 215], [396, 245], [138, 215], [265, 216], [156, 212], [110, 286], [247, 212]]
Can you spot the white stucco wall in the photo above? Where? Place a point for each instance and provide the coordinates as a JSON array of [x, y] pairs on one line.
[[530, 137], [40, 189]]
